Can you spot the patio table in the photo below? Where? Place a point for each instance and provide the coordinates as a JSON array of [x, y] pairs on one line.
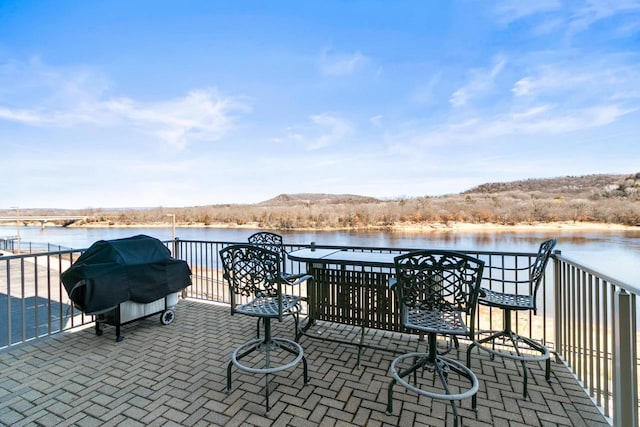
[[352, 288]]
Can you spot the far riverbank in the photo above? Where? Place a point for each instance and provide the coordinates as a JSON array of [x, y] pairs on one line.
[[402, 227]]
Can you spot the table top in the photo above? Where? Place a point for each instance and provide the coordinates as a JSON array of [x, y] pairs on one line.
[[346, 257]]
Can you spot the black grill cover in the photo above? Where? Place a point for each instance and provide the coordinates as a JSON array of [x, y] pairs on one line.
[[138, 268]]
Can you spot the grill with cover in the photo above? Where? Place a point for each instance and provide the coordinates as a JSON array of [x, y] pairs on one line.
[[126, 279]]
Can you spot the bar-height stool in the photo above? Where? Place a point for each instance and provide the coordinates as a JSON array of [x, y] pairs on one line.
[[269, 240], [274, 242], [253, 274], [437, 292], [525, 349]]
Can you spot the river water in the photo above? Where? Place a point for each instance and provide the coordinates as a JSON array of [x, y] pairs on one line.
[[615, 253]]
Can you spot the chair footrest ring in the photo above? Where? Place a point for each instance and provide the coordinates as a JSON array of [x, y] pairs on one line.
[[487, 343], [274, 345], [441, 363]]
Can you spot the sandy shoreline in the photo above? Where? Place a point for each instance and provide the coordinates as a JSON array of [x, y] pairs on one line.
[[552, 226], [405, 228]]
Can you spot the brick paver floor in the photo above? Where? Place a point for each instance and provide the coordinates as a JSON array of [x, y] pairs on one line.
[[175, 375]]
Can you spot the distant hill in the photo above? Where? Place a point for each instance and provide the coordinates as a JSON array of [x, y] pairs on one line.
[[586, 185], [597, 185], [316, 198], [605, 198]]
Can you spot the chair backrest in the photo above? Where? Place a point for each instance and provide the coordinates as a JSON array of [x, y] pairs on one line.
[[540, 263], [271, 241], [443, 281], [251, 271]]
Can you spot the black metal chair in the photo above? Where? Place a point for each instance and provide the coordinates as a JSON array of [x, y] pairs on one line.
[[437, 292], [511, 344], [255, 284], [274, 242]]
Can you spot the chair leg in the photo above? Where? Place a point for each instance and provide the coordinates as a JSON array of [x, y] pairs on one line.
[[524, 380], [456, 342], [390, 397], [508, 334], [443, 379], [441, 368], [296, 321], [491, 338], [229, 377], [441, 372], [267, 365], [240, 356], [514, 342], [542, 349], [304, 362], [306, 372], [547, 370], [474, 398], [265, 346], [411, 370], [469, 348], [266, 393]]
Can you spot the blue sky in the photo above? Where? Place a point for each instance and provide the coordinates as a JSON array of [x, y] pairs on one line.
[[189, 103]]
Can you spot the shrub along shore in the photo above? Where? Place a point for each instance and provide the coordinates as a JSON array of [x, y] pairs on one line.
[[586, 202], [407, 228]]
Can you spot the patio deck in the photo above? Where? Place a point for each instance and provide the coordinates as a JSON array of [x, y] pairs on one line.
[[176, 375]]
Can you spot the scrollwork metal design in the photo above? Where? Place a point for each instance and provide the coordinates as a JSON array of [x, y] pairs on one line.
[[251, 270]]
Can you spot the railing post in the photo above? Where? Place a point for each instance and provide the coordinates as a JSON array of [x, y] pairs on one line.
[[175, 248], [176, 255], [624, 367], [557, 305]]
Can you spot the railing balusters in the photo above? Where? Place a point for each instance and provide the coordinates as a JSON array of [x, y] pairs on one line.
[[582, 326], [592, 323], [33, 291], [35, 298], [9, 325], [624, 380], [22, 301], [604, 402], [598, 337], [598, 331], [581, 316]]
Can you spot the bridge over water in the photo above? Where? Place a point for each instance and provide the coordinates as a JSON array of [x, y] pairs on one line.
[[43, 219]]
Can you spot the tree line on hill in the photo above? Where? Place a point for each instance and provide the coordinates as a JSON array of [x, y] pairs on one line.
[[612, 199]]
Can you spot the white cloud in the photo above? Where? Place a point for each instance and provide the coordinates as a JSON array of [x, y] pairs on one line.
[[377, 120], [531, 113], [338, 64], [587, 81], [593, 11], [323, 130], [333, 129], [19, 115], [508, 11], [540, 121], [481, 82], [549, 25], [425, 93], [200, 115], [573, 17], [80, 97], [554, 122]]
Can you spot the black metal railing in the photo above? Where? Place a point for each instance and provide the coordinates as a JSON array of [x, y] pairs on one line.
[[587, 319], [597, 336], [33, 302]]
